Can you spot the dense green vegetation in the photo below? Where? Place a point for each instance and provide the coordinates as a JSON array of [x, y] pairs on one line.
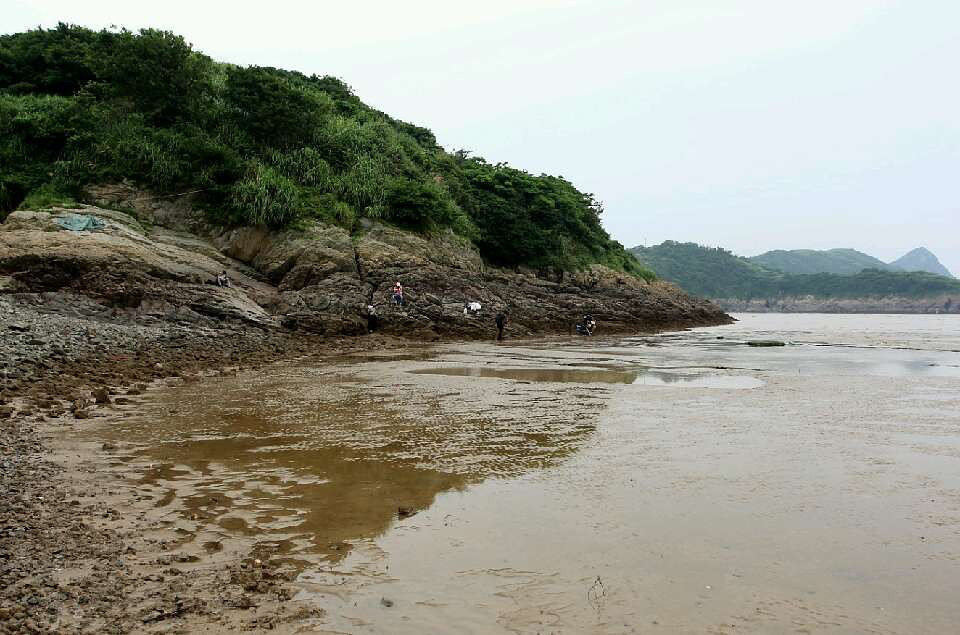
[[842, 261], [869, 283], [717, 273], [706, 271], [263, 146]]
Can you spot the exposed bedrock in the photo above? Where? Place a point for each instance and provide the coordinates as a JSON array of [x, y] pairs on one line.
[[160, 262]]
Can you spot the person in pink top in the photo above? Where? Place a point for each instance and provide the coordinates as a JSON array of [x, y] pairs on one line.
[[398, 293]]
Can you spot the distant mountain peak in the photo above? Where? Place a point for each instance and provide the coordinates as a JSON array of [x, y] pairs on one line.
[[921, 259]]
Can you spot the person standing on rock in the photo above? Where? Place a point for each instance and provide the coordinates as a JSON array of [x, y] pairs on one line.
[[501, 321], [398, 294], [373, 320]]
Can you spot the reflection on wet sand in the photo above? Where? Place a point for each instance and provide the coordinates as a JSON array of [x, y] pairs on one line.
[[644, 377], [565, 375], [301, 498], [302, 463]]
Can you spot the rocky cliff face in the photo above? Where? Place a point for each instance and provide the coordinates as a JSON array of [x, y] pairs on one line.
[[158, 261], [813, 304]]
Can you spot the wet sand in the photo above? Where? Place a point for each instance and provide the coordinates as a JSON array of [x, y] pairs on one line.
[[675, 483]]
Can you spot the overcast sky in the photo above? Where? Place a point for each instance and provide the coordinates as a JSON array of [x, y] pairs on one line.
[[751, 124]]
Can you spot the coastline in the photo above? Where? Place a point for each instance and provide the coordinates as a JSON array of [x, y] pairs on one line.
[[92, 320], [138, 520], [66, 546], [894, 305]]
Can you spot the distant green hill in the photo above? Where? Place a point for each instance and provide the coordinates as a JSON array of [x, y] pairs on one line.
[[841, 261], [705, 271], [921, 259], [717, 273]]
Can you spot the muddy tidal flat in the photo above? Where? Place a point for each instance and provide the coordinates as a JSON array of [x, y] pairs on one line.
[[682, 482]]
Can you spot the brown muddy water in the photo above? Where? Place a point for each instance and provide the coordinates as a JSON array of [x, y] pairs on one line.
[[683, 482]]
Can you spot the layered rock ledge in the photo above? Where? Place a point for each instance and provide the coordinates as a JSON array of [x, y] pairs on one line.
[[156, 266]]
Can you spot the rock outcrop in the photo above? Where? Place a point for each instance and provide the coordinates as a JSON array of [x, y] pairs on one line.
[[124, 271], [145, 265]]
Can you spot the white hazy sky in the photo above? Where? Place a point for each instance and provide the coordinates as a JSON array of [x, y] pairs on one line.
[[749, 124]]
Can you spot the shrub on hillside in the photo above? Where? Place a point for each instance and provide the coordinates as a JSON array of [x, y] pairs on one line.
[[265, 197]]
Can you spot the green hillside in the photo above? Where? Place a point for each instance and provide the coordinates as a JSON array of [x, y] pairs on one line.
[[705, 271], [264, 146], [717, 273], [840, 261]]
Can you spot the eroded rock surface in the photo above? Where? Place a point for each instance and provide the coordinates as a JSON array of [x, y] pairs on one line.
[[125, 271], [317, 278]]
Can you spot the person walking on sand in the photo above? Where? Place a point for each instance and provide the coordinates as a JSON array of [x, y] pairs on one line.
[[501, 320]]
